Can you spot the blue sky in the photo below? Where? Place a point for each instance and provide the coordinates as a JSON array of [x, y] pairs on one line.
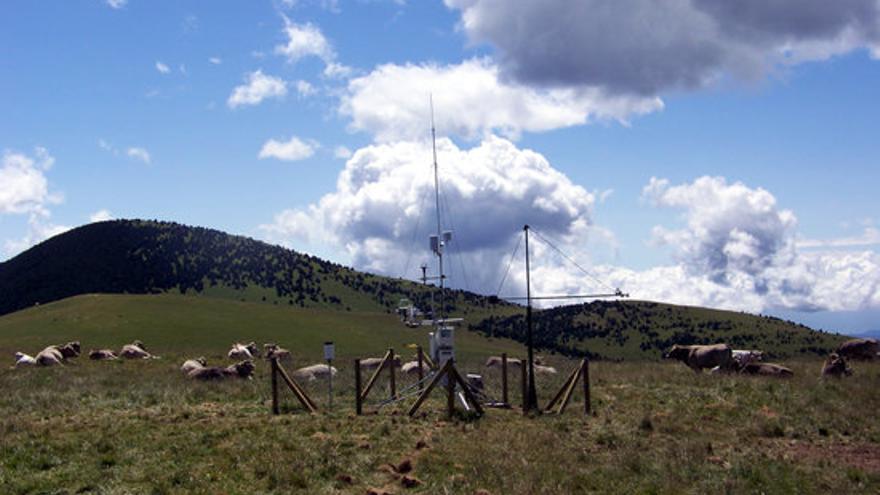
[[762, 147]]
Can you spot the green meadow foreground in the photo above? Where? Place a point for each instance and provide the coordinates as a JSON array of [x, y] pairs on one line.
[[141, 427]]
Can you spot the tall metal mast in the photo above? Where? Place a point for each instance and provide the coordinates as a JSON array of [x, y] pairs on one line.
[[531, 402], [440, 240]]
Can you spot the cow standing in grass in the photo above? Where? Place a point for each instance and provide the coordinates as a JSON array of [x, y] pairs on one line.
[[699, 357]]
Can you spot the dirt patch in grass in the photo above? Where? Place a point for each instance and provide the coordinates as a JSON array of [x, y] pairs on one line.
[[861, 456]]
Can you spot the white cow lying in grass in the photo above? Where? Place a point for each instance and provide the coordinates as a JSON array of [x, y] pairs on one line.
[[495, 362], [739, 360], [544, 370], [193, 364], [744, 357], [243, 351], [412, 368], [22, 359], [314, 372], [373, 363], [136, 350]]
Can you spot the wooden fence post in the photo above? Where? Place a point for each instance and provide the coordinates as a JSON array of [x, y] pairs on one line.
[[358, 403], [504, 397], [421, 366], [450, 393], [586, 372], [274, 385], [525, 391], [393, 382], [375, 376]]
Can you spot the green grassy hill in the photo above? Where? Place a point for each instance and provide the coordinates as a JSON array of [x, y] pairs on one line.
[[640, 329], [251, 282], [182, 325]]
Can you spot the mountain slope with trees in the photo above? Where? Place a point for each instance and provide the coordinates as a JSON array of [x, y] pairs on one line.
[[144, 257], [627, 329], [151, 257]]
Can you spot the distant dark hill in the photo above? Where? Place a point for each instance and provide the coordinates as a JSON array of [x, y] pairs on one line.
[[144, 257], [634, 329]]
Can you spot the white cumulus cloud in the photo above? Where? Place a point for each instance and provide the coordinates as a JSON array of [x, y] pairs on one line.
[[138, 154], [471, 100], [24, 190], [291, 150], [24, 187], [258, 87], [117, 4], [101, 216], [305, 40], [730, 227], [162, 68], [305, 88], [382, 196], [738, 249]]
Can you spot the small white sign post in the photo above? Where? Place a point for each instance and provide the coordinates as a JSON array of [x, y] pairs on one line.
[[329, 355]]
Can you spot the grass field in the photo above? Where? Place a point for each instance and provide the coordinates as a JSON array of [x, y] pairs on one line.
[[141, 427], [196, 325]]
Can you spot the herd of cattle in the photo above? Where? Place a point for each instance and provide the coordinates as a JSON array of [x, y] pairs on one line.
[[718, 358]]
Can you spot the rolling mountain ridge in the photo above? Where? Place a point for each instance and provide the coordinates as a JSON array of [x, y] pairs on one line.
[[151, 257]]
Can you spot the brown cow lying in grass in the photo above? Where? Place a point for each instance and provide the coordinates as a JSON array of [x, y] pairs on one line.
[[193, 364], [767, 369], [699, 357], [836, 366], [244, 369], [136, 350], [859, 349], [102, 355], [55, 354]]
